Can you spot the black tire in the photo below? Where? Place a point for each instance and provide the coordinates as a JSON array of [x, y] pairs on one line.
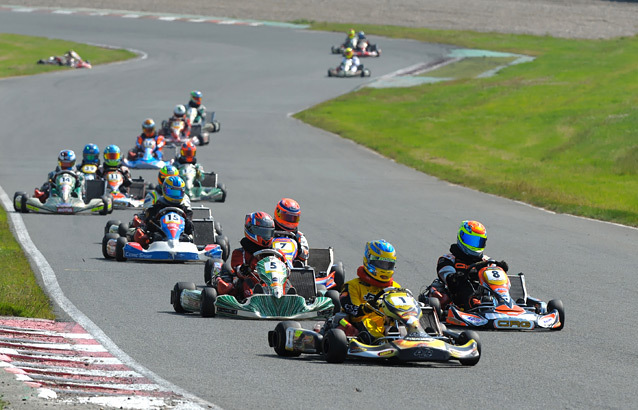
[[218, 228], [105, 240], [280, 338], [222, 241], [334, 296], [151, 187], [558, 305], [105, 208], [122, 229], [436, 304], [329, 73], [223, 188], [109, 223], [176, 295], [208, 271], [207, 308], [335, 346], [23, 204], [218, 126], [339, 275], [18, 207], [465, 337], [119, 249]]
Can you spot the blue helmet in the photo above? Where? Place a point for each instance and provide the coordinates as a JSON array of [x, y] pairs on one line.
[[173, 189], [379, 259], [66, 159], [196, 97], [361, 35], [91, 154], [112, 155]]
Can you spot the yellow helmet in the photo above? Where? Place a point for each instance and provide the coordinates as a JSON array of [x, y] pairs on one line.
[[471, 238], [351, 33], [348, 53], [379, 259]]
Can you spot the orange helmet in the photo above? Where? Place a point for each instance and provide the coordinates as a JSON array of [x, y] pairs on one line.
[[287, 214], [188, 151], [148, 126]]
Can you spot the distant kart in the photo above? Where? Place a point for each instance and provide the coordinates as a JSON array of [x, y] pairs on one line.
[[201, 130], [505, 305], [112, 185], [208, 189], [62, 199], [363, 49], [273, 296], [345, 72], [170, 244], [413, 334], [147, 158]]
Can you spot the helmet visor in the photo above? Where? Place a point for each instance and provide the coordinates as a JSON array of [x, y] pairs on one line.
[[264, 232], [197, 100], [382, 263], [174, 192], [113, 156], [149, 132], [293, 218], [91, 157], [473, 240]]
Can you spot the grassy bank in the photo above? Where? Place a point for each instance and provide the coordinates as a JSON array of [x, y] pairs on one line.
[[559, 132], [20, 294]]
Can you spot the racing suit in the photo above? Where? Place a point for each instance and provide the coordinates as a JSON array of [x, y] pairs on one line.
[[153, 225], [239, 282], [351, 64], [122, 169], [159, 144], [201, 111], [353, 298], [303, 250], [185, 131], [43, 193], [179, 161]]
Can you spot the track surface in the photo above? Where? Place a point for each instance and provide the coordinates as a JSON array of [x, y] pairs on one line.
[[253, 77]]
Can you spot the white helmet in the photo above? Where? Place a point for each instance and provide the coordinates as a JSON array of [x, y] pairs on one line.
[[179, 110]]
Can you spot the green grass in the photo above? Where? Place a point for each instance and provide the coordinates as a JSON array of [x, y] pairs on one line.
[[20, 294], [559, 132], [19, 54]]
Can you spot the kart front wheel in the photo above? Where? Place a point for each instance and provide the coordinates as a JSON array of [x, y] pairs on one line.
[[339, 275], [107, 227], [17, 202], [176, 295], [465, 337], [23, 204], [207, 308], [105, 242], [279, 342], [105, 205], [334, 296], [335, 346], [557, 304]]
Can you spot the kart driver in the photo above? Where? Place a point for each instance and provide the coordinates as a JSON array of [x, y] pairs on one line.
[[148, 132], [454, 275], [90, 155], [351, 39], [187, 155], [350, 62], [172, 196], [113, 162], [66, 162], [179, 114], [287, 215], [259, 229], [196, 102], [153, 195], [373, 276]]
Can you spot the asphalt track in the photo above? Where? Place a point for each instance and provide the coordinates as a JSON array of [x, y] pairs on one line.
[[254, 77]]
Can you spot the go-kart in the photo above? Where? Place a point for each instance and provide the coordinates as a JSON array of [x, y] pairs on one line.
[[208, 189], [343, 70], [412, 334], [273, 297], [89, 171], [200, 130], [363, 49], [147, 158], [134, 198], [504, 303], [327, 273], [62, 199], [168, 244]]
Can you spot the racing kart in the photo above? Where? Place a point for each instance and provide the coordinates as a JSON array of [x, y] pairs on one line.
[[208, 189], [504, 303], [200, 130], [328, 274], [273, 296], [147, 158], [69, 59], [363, 49], [343, 70], [112, 185], [169, 243], [62, 199], [412, 334], [89, 171]]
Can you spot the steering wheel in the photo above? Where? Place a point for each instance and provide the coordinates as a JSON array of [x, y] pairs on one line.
[[169, 209], [270, 252]]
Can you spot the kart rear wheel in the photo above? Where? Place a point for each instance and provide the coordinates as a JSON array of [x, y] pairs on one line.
[[18, 206], [223, 189], [436, 304], [222, 241], [335, 346], [105, 242], [218, 228], [107, 227], [23, 204], [119, 249], [280, 338], [465, 337], [558, 305], [105, 208], [176, 295], [207, 308], [209, 271], [334, 296], [122, 229], [339, 275]]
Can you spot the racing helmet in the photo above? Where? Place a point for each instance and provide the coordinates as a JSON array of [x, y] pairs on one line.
[[361, 35], [66, 159], [471, 238], [287, 214], [173, 189], [379, 259], [112, 156], [348, 53], [351, 33], [188, 151], [148, 127], [179, 110], [166, 171], [91, 154], [196, 97], [259, 228]]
